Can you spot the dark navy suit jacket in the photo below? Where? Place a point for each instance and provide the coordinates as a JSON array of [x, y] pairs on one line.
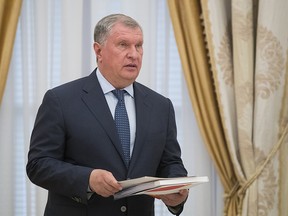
[[74, 133]]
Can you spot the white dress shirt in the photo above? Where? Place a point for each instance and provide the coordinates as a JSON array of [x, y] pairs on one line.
[[112, 102]]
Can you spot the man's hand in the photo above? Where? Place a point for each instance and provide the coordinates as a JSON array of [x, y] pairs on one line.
[[103, 183], [175, 198]]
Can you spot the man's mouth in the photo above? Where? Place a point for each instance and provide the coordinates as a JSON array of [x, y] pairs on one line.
[[131, 65]]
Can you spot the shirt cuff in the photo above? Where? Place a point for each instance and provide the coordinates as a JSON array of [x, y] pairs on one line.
[[176, 210], [89, 192]]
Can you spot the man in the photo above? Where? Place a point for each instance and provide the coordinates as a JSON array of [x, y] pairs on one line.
[[77, 150]]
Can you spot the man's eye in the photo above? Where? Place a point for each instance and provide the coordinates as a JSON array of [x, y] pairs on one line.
[[139, 46], [123, 44]]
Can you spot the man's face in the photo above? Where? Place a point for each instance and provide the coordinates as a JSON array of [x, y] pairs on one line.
[[120, 57]]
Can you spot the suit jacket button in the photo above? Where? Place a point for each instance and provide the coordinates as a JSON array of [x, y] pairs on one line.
[[123, 208]]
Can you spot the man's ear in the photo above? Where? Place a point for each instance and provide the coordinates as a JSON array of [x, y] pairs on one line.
[[97, 49]]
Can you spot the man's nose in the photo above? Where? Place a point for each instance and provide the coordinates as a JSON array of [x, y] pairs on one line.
[[132, 52]]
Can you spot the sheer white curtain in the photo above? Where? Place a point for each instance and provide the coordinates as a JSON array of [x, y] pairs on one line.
[[53, 46]]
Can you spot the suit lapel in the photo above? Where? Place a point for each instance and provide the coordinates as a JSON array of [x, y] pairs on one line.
[[94, 98], [143, 108]]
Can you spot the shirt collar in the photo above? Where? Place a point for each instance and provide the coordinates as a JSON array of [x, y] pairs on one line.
[[107, 87]]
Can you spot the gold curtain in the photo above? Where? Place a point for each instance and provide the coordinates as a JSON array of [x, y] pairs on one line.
[[9, 13], [188, 30], [244, 120]]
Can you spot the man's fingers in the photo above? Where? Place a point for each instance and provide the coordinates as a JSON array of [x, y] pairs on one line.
[[175, 199], [113, 183], [103, 183]]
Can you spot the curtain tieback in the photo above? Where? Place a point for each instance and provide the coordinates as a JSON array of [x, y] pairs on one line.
[[228, 196], [260, 168], [240, 188]]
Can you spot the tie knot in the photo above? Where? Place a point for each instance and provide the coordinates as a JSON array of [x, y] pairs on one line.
[[119, 94]]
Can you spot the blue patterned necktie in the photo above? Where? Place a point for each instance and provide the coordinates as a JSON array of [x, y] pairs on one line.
[[122, 124]]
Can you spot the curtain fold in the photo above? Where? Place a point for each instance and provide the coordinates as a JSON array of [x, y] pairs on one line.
[[9, 13], [283, 207], [248, 58], [188, 30]]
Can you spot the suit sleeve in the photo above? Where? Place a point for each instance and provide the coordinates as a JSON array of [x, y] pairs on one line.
[[46, 166], [171, 163]]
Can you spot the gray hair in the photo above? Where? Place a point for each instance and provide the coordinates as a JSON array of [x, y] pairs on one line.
[[105, 25]]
